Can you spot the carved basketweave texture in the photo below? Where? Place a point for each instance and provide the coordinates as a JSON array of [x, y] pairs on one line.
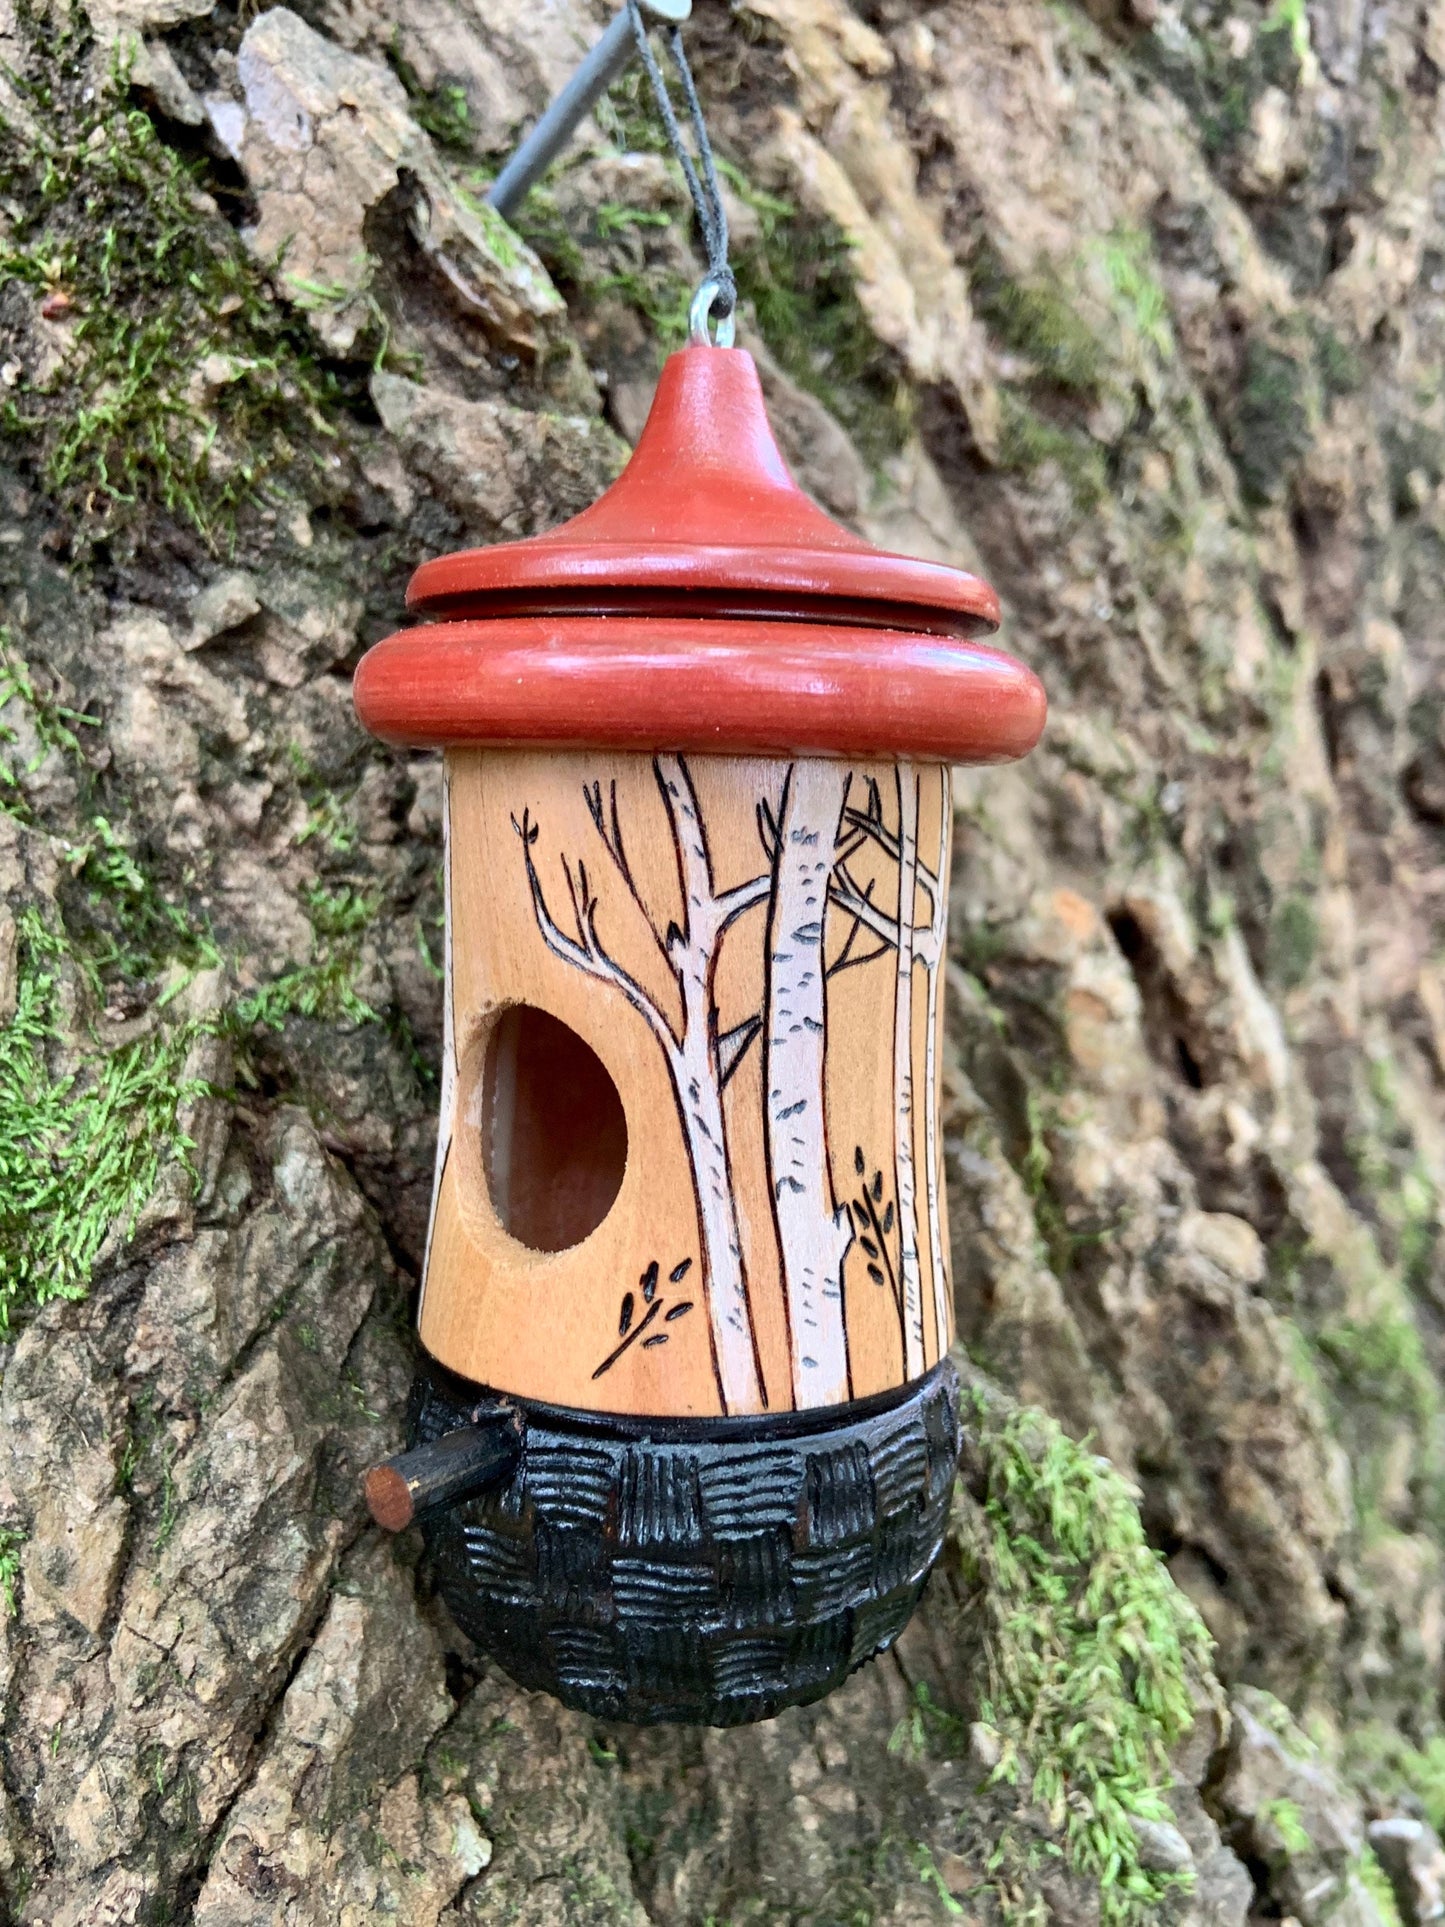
[[695, 1579]]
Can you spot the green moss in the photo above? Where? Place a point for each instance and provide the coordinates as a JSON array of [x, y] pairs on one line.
[[618, 262], [123, 923], [328, 817], [340, 913], [1355, 1311], [1276, 1716], [1273, 419], [325, 987], [183, 388], [1417, 1224], [130, 929], [925, 1724], [1415, 461], [11, 1540], [1303, 1359], [1381, 1361], [1381, 1759], [1041, 316], [1288, 1822], [612, 218], [798, 277], [540, 222], [800, 280], [1037, 1159], [1294, 936], [928, 1873], [627, 115], [86, 1127], [1341, 370], [443, 110], [659, 296], [1376, 1883], [499, 235], [1036, 317], [1062, 1241], [1127, 256], [51, 723], [81, 1145], [1092, 1654], [1220, 86], [1289, 19], [1285, 1836], [1029, 441], [1396, 1178]]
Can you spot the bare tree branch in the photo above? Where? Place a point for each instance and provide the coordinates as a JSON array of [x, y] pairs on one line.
[[863, 957], [689, 841], [732, 1046], [845, 955], [586, 950], [767, 830], [608, 825], [732, 903], [693, 1052], [856, 903], [706, 914], [873, 828]]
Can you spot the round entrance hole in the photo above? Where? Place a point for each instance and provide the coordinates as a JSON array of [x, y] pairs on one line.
[[553, 1131]]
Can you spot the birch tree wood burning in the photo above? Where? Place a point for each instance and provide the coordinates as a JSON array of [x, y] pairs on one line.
[[814, 1230], [686, 1305]]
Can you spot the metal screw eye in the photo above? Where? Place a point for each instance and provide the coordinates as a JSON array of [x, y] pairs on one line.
[[700, 314]]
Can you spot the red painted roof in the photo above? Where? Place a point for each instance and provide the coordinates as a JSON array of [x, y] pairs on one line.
[[703, 602]]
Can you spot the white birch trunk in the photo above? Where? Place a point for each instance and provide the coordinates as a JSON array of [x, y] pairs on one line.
[[814, 1231], [699, 1081], [934, 965], [691, 1055], [910, 1277], [700, 1096]]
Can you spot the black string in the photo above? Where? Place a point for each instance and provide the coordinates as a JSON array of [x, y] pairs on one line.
[[705, 190]]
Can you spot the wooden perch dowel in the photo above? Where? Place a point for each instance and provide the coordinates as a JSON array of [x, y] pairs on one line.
[[402, 1490]]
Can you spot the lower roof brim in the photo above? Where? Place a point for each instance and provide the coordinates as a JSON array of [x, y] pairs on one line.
[[730, 687]]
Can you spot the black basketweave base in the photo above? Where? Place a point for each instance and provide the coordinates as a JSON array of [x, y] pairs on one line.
[[708, 1572]]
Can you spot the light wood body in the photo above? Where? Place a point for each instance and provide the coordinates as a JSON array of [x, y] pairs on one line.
[[724, 933]]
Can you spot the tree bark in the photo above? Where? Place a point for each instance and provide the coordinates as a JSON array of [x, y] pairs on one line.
[[1177, 399]]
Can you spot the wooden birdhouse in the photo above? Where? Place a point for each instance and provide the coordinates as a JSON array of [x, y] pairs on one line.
[[685, 1429]]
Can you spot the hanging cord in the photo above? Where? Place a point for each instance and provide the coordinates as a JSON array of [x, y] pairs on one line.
[[718, 294]]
